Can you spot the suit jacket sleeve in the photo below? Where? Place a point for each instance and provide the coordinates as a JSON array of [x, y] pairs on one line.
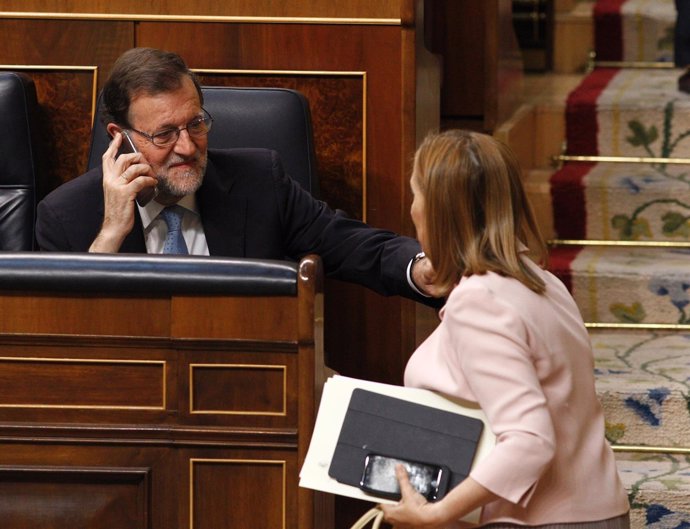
[[69, 218], [48, 232], [350, 249]]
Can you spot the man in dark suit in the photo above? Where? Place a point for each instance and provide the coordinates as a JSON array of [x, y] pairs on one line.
[[234, 203]]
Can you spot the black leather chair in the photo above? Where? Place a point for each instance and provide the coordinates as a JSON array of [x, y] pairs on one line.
[[272, 118], [19, 157]]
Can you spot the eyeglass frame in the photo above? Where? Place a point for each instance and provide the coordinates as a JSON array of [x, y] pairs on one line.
[[205, 117]]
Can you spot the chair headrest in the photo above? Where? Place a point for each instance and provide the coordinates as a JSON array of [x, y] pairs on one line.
[[269, 118], [18, 103], [19, 161]]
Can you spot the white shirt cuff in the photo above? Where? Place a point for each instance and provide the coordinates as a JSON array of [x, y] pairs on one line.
[[414, 287]]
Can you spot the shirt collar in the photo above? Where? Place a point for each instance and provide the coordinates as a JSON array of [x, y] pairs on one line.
[[151, 210]]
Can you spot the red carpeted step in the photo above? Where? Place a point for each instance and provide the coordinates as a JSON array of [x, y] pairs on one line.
[[634, 30], [620, 202], [629, 285], [582, 126], [560, 263], [608, 30], [568, 200], [628, 112]]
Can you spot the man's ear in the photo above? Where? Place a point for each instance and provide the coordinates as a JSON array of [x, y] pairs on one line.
[[112, 129]]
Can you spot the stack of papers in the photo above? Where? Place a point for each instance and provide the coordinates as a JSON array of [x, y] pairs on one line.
[[332, 410]]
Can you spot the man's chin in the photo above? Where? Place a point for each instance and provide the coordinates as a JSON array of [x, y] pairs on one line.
[[181, 185]]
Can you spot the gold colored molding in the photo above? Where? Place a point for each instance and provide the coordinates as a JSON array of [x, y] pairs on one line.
[[61, 68], [651, 449], [47, 67], [222, 71], [140, 17], [272, 367], [193, 461], [653, 65], [639, 326], [27, 359], [600, 242], [592, 63], [619, 159], [306, 73]]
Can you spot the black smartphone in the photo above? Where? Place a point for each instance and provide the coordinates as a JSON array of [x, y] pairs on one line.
[[379, 479], [127, 146]]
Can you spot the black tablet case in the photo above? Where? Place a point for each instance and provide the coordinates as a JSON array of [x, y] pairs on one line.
[[380, 424]]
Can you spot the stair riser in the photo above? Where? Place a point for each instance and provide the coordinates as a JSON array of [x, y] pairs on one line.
[[628, 202], [629, 112], [627, 285], [645, 27], [659, 489], [643, 384]]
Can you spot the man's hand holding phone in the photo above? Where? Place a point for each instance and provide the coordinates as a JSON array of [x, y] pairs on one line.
[[127, 146], [125, 176]]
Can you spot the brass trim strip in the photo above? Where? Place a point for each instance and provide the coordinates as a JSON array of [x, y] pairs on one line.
[[651, 449], [192, 461], [28, 359], [141, 17], [599, 242], [46, 67], [215, 71], [640, 326], [656, 65], [364, 146], [273, 367], [620, 159]]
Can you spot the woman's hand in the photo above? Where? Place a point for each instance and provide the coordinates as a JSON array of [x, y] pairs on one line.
[[413, 511]]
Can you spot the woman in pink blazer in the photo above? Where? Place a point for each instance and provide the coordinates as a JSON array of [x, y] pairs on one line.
[[512, 340]]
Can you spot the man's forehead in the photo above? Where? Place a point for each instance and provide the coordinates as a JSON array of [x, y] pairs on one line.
[[170, 108]]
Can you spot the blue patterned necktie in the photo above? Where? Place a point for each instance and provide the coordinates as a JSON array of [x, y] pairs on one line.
[[174, 242]]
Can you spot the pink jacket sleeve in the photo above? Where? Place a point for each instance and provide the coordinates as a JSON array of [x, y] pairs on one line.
[[493, 346]]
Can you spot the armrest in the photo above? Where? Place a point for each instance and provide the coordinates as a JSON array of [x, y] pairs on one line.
[[156, 274]]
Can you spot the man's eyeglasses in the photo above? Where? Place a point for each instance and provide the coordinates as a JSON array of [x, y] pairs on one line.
[[196, 128]]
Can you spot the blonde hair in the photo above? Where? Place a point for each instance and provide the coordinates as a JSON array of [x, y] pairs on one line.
[[476, 210]]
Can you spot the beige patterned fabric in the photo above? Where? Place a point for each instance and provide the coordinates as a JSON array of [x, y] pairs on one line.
[[640, 113], [648, 30]]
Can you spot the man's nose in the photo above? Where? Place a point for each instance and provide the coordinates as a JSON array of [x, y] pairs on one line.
[[184, 144]]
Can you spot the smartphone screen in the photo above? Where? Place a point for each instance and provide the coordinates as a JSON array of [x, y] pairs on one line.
[[127, 146], [379, 477]]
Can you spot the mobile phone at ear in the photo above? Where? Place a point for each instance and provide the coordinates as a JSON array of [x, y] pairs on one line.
[[127, 146], [379, 479]]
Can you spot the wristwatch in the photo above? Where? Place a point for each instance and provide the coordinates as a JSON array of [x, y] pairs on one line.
[[415, 259], [418, 257]]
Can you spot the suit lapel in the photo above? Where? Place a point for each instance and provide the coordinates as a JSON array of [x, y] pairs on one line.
[[223, 214]]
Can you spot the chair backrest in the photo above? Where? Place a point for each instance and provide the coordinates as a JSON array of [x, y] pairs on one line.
[[18, 161], [271, 118]]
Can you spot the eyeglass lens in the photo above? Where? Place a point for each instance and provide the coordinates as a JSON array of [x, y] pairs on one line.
[[197, 127]]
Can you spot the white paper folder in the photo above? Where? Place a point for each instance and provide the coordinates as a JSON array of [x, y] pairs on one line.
[[332, 411]]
